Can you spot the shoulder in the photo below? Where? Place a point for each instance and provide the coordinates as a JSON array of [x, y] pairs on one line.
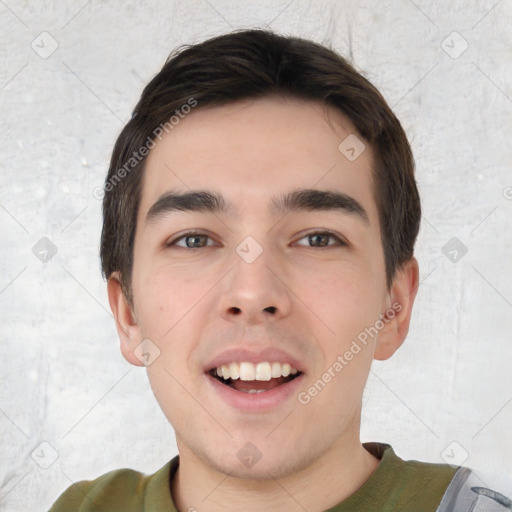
[[123, 490], [412, 473], [467, 492], [123, 487], [425, 486], [421, 483], [406, 485]]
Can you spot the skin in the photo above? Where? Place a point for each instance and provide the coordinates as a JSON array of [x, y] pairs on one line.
[[192, 303]]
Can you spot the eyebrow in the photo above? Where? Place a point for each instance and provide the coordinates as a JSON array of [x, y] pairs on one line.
[[296, 200]]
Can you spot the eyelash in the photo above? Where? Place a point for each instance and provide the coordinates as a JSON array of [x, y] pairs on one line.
[[330, 234]]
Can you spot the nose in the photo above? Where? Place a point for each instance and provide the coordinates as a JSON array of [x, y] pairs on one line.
[[255, 292]]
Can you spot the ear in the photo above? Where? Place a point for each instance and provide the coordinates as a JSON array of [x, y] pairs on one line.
[[126, 323], [398, 315]]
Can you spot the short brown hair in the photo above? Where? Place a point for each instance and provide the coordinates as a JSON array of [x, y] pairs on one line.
[[250, 64]]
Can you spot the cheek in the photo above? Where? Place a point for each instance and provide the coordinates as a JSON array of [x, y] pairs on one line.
[[167, 303], [347, 306], [344, 298], [164, 298]]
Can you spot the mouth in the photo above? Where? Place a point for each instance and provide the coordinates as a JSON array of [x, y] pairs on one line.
[[260, 378]]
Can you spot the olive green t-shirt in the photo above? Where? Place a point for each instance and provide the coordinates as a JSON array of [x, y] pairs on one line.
[[395, 486]]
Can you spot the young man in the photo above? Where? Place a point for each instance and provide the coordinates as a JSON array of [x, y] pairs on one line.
[[260, 214]]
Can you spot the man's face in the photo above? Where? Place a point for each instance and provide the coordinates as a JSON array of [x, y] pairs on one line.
[[259, 284]]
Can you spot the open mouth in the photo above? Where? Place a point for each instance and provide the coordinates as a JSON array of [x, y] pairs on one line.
[[249, 378]]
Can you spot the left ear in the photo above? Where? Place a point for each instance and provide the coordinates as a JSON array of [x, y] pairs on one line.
[[397, 317]]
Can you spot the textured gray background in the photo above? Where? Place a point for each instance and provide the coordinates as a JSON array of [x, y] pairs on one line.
[[446, 394]]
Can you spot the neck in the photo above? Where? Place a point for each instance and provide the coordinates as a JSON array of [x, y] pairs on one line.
[[320, 486]]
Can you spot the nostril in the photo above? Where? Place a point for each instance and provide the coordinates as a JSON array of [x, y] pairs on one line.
[[235, 311], [271, 309]]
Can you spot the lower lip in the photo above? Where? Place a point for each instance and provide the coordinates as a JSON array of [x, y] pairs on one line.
[[255, 402]]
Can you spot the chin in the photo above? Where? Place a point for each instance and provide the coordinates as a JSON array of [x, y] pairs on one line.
[[249, 463]]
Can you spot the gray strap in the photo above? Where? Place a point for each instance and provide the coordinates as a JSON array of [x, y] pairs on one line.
[[465, 494]]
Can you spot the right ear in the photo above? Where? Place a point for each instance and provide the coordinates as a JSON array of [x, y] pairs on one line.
[[126, 323]]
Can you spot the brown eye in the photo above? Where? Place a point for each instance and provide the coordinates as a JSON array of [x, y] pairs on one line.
[[191, 241], [322, 239]]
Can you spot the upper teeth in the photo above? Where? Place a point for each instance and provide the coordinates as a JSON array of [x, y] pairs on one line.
[[250, 371]]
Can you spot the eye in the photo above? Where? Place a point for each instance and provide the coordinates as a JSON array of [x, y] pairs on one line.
[[191, 240], [316, 239], [321, 239]]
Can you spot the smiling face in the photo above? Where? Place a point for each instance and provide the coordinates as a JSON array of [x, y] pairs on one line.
[[258, 242]]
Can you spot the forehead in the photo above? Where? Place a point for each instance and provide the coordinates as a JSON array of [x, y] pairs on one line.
[[251, 151]]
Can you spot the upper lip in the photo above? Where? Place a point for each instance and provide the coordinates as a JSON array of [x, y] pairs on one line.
[[270, 354]]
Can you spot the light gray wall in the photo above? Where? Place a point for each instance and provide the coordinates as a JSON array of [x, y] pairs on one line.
[[64, 383]]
